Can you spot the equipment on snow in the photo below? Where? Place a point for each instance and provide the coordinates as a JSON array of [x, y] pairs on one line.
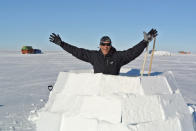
[[27, 50], [50, 87]]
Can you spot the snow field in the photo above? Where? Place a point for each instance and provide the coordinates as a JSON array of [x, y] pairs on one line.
[[162, 53], [97, 102]]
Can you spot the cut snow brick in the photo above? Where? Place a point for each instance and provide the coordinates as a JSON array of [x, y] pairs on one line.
[[92, 84], [77, 84], [103, 126], [171, 80], [78, 124], [120, 84], [166, 125], [174, 105], [155, 85], [66, 103], [139, 109], [186, 124], [101, 108], [57, 88], [60, 82], [48, 122]]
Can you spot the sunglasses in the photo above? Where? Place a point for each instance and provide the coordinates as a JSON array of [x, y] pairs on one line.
[[105, 44]]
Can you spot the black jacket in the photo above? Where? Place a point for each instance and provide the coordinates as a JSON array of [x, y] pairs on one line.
[[109, 64]]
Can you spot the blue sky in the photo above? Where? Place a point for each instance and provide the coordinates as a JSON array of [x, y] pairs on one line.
[[83, 22]]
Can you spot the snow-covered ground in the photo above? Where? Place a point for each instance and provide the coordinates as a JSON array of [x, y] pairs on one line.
[[161, 53], [24, 80]]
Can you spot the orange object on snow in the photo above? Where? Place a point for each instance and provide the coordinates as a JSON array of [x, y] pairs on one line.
[[27, 50]]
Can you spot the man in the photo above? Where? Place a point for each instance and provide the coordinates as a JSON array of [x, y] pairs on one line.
[[107, 60]]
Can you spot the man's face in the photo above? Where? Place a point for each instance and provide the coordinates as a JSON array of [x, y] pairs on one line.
[[105, 47]]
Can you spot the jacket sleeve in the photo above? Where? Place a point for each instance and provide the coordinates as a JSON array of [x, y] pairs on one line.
[[80, 53], [132, 53]]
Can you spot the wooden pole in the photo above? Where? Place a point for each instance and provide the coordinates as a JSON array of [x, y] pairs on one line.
[[145, 57], [153, 49]]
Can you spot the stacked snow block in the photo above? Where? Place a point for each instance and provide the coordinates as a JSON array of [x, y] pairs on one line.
[[97, 102]]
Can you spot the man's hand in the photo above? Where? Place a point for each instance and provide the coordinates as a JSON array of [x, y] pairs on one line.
[[55, 39], [151, 34]]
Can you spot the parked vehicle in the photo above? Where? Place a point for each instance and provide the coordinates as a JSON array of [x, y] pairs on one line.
[[27, 50], [30, 50]]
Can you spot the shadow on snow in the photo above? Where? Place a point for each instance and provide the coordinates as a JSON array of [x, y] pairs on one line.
[[136, 72]]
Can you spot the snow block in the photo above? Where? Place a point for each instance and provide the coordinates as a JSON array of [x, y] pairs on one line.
[[171, 80], [174, 105], [48, 122], [60, 82], [57, 88], [104, 126], [186, 124], [155, 85], [78, 124], [120, 84], [77, 84], [66, 103], [91, 102], [166, 125], [98, 84], [140, 109], [101, 108]]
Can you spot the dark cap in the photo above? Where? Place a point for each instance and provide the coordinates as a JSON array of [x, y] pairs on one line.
[[105, 39]]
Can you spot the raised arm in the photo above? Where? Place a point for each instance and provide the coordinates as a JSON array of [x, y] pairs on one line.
[[80, 53], [127, 56], [132, 53]]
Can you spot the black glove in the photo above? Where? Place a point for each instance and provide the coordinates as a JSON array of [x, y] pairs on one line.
[[55, 39], [151, 34]]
